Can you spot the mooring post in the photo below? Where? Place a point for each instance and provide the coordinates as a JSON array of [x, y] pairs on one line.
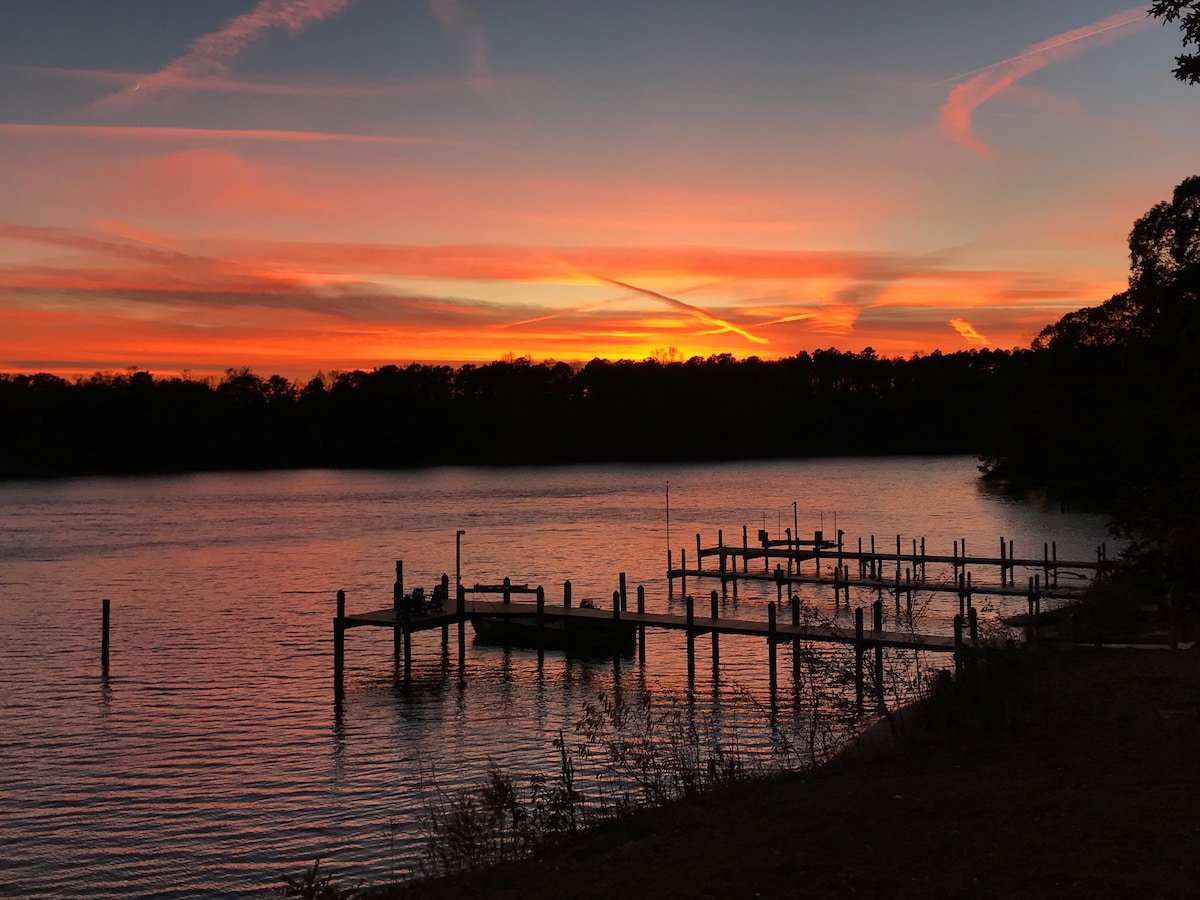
[[745, 549], [716, 640], [962, 594], [973, 624], [793, 554], [507, 595], [874, 560], [445, 599], [772, 643], [406, 624], [1054, 560], [954, 563], [839, 549], [690, 614], [397, 606], [1003, 565], [969, 590], [567, 605], [460, 613], [908, 589], [858, 658], [699, 556], [794, 603], [624, 593], [616, 625], [683, 571], [818, 537], [339, 637], [540, 617], [862, 570], [104, 619], [897, 589], [878, 628], [898, 554], [922, 557], [722, 563], [670, 578], [641, 608], [1012, 570], [958, 645], [779, 584]]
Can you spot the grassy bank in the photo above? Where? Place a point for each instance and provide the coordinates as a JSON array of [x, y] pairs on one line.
[[1074, 773]]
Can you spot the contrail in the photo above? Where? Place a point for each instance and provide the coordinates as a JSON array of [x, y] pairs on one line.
[[694, 311], [990, 80], [210, 56]]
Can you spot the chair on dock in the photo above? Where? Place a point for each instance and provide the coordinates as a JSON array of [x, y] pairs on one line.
[[418, 602], [438, 600]]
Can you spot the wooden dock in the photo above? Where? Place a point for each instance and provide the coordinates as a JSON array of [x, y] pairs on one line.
[[405, 622]]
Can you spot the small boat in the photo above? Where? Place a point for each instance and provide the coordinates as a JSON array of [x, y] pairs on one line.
[[598, 635]]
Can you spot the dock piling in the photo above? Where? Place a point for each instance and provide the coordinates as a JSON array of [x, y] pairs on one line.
[[716, 637], [858, 658], [772, 644], [104, 620]]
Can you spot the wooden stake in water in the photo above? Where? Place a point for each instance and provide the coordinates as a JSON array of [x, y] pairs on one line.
[[104, 620]]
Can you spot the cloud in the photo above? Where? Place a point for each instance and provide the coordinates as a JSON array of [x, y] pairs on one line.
[[154, 133], [211, 55], [967, 331], [721, 324], [464, 24], [987, 82], [314, 89]]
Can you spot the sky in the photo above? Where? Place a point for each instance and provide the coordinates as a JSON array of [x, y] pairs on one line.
[[322, 185]]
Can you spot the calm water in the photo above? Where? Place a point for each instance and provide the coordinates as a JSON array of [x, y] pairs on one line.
[[211, 761]]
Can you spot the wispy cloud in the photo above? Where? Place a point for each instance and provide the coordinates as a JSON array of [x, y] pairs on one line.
[[210, 56], [984, 83], [315, 89], [207, 135], [464, 24], [967, 331], [708, 318]]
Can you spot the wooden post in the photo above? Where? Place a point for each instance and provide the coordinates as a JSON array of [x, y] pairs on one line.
[[507, 595], [962, 594], [1003, 562], [398, 607], [745, 551], [670, 579], [104, 619], [794, 602], [690, 614], [683, 571], [540, 617], [839, 548], [616, 625], [779, 584], [445, 599], [722, 562], [878, 623], [818, 537], [1012, 570], [339, 647], [897, 588], [862, 570], [567, 605], [874, 561], [792, 554], [699, 555], [1054, 560], [922, 557], [460, 613], [897, 556], [908, 589], [641, 608], [858, 658], [958, 645], [973, 622], [624, 594], [716, 641], [1037, 595], [406, 625], [772, 643]]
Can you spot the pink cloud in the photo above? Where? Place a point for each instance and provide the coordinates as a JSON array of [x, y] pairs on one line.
[[967, 331], [154, 133], [211, 55], [991, 80]]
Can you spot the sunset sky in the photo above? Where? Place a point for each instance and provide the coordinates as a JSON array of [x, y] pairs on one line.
[[303, 185]]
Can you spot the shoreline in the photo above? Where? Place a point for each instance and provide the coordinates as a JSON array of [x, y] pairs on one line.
[[1074, 774]]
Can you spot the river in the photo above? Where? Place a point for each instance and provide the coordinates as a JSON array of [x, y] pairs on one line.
[[211, 759]]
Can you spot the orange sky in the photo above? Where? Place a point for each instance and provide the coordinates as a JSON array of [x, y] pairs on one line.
[[283, 189]]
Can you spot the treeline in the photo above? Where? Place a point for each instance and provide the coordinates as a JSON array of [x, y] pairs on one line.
[[513, 412]]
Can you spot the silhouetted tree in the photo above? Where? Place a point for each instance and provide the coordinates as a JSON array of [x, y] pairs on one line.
[[1187, 13]]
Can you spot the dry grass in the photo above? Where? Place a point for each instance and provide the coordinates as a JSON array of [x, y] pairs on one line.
[[1076, 775]]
